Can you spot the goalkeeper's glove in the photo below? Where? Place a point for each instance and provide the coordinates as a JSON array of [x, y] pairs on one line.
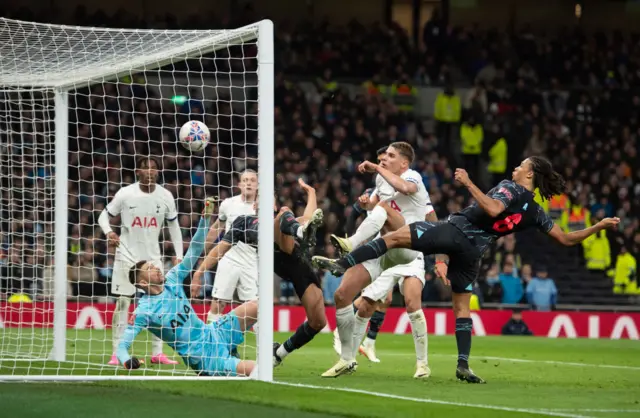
[[132, 364], [210, 206]]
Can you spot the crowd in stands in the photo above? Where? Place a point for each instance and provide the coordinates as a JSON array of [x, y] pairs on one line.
[[570, 96]]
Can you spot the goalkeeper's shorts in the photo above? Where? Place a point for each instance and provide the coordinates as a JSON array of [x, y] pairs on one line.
[[227, 335]]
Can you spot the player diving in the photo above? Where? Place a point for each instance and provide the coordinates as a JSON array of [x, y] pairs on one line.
[[461, 240], [166, 312], [294, 237]]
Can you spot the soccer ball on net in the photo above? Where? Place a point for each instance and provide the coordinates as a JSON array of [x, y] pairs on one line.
[[194, 135]]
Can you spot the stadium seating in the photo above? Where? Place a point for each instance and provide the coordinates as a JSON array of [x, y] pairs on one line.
[[531, 88]]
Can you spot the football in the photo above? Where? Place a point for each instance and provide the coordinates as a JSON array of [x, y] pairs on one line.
[[194, 135]]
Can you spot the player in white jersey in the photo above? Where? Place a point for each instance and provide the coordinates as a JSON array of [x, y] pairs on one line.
[[143, 207], [399, 191], [238, 269]]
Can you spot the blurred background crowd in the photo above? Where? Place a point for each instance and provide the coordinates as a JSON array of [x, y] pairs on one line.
[[463, 96]]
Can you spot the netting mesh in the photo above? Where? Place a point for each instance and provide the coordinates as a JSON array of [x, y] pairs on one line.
[[132, 91]]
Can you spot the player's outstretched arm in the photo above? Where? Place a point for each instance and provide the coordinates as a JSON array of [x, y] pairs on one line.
[[398, 183], [312, 201], [493, 207], [141, 322], [576, 237], [182, 270]]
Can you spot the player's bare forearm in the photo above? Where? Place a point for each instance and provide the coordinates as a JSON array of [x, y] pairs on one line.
[[212, 236], [214, 256], [575, 237], [491, 206], [398, 183]]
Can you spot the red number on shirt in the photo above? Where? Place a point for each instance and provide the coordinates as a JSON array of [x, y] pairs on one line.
[[395, 206], [508, 223]]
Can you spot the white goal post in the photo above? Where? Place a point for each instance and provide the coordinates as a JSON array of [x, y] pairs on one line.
[[51, 72]]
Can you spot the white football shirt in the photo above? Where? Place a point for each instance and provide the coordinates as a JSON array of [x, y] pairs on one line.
[[142, 217], [413, 207], [230, 209]]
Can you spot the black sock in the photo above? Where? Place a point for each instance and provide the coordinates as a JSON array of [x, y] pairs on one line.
[[374, 249], [463, 338], [302, 336], [375, 323], [288, 224]]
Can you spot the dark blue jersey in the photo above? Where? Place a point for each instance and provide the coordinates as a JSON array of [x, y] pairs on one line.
[[521, 212], [243, 229]]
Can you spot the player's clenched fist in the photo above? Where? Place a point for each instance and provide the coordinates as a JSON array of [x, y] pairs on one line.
[[132, 364], [367, 167], [113, 239], [462, 176]]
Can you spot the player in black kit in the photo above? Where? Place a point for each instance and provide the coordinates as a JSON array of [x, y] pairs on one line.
[[461, 240], [293, 237]]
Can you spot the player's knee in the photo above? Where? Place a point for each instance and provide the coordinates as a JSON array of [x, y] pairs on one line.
[[366, 308], [412, 303]]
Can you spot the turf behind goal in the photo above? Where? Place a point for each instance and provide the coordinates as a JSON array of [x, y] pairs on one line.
[[78, 105]]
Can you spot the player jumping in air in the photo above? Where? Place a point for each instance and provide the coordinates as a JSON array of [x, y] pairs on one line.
[[143, 208], [400, 197], [166, 312], [462, 239], [293, 238], [365, 204], [238, 269]]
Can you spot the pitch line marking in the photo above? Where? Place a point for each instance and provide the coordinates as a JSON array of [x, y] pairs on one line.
[[547, 412], [513, 360]]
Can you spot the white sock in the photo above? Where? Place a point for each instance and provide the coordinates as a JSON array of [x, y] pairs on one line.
[[359, 330], [371, 225], [119, 320], [156, 345], [282, 352], [369, 342], [299, 233], [211, 317], [345, 319], [419, 333]]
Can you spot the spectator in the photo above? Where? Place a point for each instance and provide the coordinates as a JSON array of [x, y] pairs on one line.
[[516, 326], [626, 273], [511, 285], [506, 252], [492, 287], [471, 137], [597, 251], [542, 294], [526, 274], [447, 115]]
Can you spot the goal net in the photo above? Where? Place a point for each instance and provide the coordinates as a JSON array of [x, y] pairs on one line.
[[79, 106]]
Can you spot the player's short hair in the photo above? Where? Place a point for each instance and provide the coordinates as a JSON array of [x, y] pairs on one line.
[[404, 149], [144, 161], [381, 151], [249, 171], [133, 271]]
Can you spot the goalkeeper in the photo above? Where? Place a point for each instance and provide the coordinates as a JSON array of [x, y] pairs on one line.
[[166, 312]]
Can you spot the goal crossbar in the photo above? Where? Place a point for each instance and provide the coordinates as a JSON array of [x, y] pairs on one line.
[[117, 65]]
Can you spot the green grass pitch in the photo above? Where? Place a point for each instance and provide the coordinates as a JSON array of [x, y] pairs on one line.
[[526, 377]]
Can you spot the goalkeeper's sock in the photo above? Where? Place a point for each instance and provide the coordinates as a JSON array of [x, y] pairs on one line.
[[463, 339], [289, 225], [374, 249], [375, 323], [302, 336], [369, 227], [156, 346], [119, 320], [419, 333], [346, 319], [212, 317]]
